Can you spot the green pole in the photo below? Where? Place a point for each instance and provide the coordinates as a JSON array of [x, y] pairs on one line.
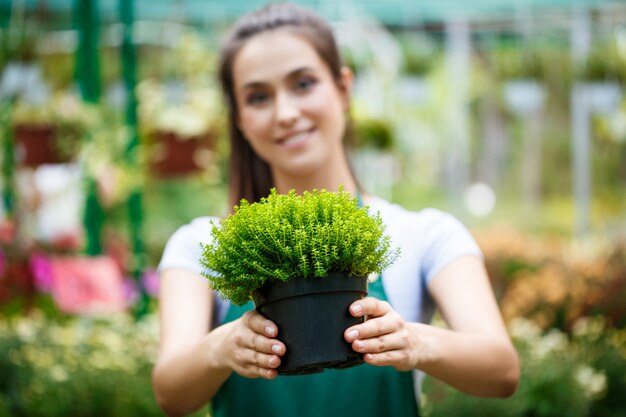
[[6, 127], [87, 60], [8, 161], [88, 76], [135, 212]]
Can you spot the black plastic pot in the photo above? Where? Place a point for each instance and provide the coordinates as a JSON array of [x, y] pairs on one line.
[[312, 316]]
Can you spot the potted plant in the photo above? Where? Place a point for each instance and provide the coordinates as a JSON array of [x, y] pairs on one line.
[[50, 132], [302, 259], [179, 111]]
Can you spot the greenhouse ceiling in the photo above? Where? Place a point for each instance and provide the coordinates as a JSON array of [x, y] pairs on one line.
[[391, 12]]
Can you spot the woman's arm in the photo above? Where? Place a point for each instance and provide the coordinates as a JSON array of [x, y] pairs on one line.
[[475, 356], [193, 363]]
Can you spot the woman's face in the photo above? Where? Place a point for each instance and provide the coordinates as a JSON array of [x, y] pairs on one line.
[[290, 108]]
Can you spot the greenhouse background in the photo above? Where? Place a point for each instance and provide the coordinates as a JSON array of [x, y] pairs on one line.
[[509, 114]]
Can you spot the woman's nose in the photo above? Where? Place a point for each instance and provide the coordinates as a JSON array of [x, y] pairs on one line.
[[287, 111]]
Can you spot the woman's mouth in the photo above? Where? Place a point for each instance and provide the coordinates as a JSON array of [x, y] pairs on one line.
[[296, 139]]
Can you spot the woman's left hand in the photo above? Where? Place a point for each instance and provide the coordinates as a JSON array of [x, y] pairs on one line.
[[384, 338]]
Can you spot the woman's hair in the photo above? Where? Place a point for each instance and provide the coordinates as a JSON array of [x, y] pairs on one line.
[[250, 176]]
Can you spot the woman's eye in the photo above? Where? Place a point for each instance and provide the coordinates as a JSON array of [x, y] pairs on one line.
[[304, 84], [257, 98]]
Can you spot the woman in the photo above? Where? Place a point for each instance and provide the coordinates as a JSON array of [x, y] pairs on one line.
[[288, 99]]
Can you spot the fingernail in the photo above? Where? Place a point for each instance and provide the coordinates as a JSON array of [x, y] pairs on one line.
[[269, 330], [352, 334], [356, 308], [359, 344], [276, 349]]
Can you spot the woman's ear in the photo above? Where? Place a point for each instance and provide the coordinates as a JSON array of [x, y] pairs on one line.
[[346, 87]]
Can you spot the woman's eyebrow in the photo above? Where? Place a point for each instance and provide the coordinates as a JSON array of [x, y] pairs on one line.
[[291, 74]]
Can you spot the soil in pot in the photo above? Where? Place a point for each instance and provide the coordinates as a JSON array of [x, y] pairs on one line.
[[312, 316]]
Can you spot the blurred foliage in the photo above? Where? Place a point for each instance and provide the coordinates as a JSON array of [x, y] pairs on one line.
[[606, 62], [374, 133], [420, 52], [20, 43], [68, 117], [78, 366], [578, 375], [518, 62], [554, 282]]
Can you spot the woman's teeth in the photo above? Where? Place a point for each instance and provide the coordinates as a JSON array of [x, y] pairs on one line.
[[296, 138]]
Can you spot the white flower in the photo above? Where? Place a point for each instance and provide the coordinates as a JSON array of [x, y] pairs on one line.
[[592, 382], [58, 373], [524, 329], [25, 330], [587, 326], [554, 341]]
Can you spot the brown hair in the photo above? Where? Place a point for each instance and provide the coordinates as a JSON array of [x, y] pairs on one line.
[[250, 176]]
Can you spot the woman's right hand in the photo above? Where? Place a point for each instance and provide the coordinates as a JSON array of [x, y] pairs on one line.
[[249, 346]]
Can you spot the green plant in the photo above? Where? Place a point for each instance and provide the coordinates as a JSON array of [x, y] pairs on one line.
[[374, 133], [77, 366], [580, 375], [605, 63], [285, 236], [512, 63]]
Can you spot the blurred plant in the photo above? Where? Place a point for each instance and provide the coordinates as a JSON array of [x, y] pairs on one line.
[[104, 156], [26, 273], [65, 114], [554, 282], [183, 108], [610, 135], [606, 62], [20, 43], [419, 52], [77, 366], [188, 104], [510, 253], [560, 376], [192, 115], [518, 62], [374, 133]]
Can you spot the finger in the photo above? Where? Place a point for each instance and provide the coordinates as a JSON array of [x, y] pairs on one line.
[[378, 344], [260, 343], [396, 358], [259, 324], [373, 328], [369, 306], [248, 357], [252, 371]]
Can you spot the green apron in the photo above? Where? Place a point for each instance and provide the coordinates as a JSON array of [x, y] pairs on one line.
[[363, 391]]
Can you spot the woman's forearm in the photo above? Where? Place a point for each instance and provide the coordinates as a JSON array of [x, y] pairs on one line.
[[474, 363], [185, 381]]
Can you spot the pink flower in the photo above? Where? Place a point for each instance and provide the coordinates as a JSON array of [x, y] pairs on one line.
[[130, 291], [2, 262], [87, 285], [41, 268], [150, 282]]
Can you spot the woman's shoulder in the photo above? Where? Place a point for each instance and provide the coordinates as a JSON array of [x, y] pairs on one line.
[[183, 248], [198, 224], [393, 213]]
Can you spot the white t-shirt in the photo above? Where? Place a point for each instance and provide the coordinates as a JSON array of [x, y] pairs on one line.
[[428, 239]]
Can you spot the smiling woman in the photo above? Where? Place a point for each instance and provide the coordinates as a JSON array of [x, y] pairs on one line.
[[291, 109], [288, 97]]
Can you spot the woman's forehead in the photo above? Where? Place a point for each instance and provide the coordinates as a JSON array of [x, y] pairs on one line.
[[272, 56]]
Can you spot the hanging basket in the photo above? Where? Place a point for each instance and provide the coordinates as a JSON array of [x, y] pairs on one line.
[[176, 156], [37, 145]]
